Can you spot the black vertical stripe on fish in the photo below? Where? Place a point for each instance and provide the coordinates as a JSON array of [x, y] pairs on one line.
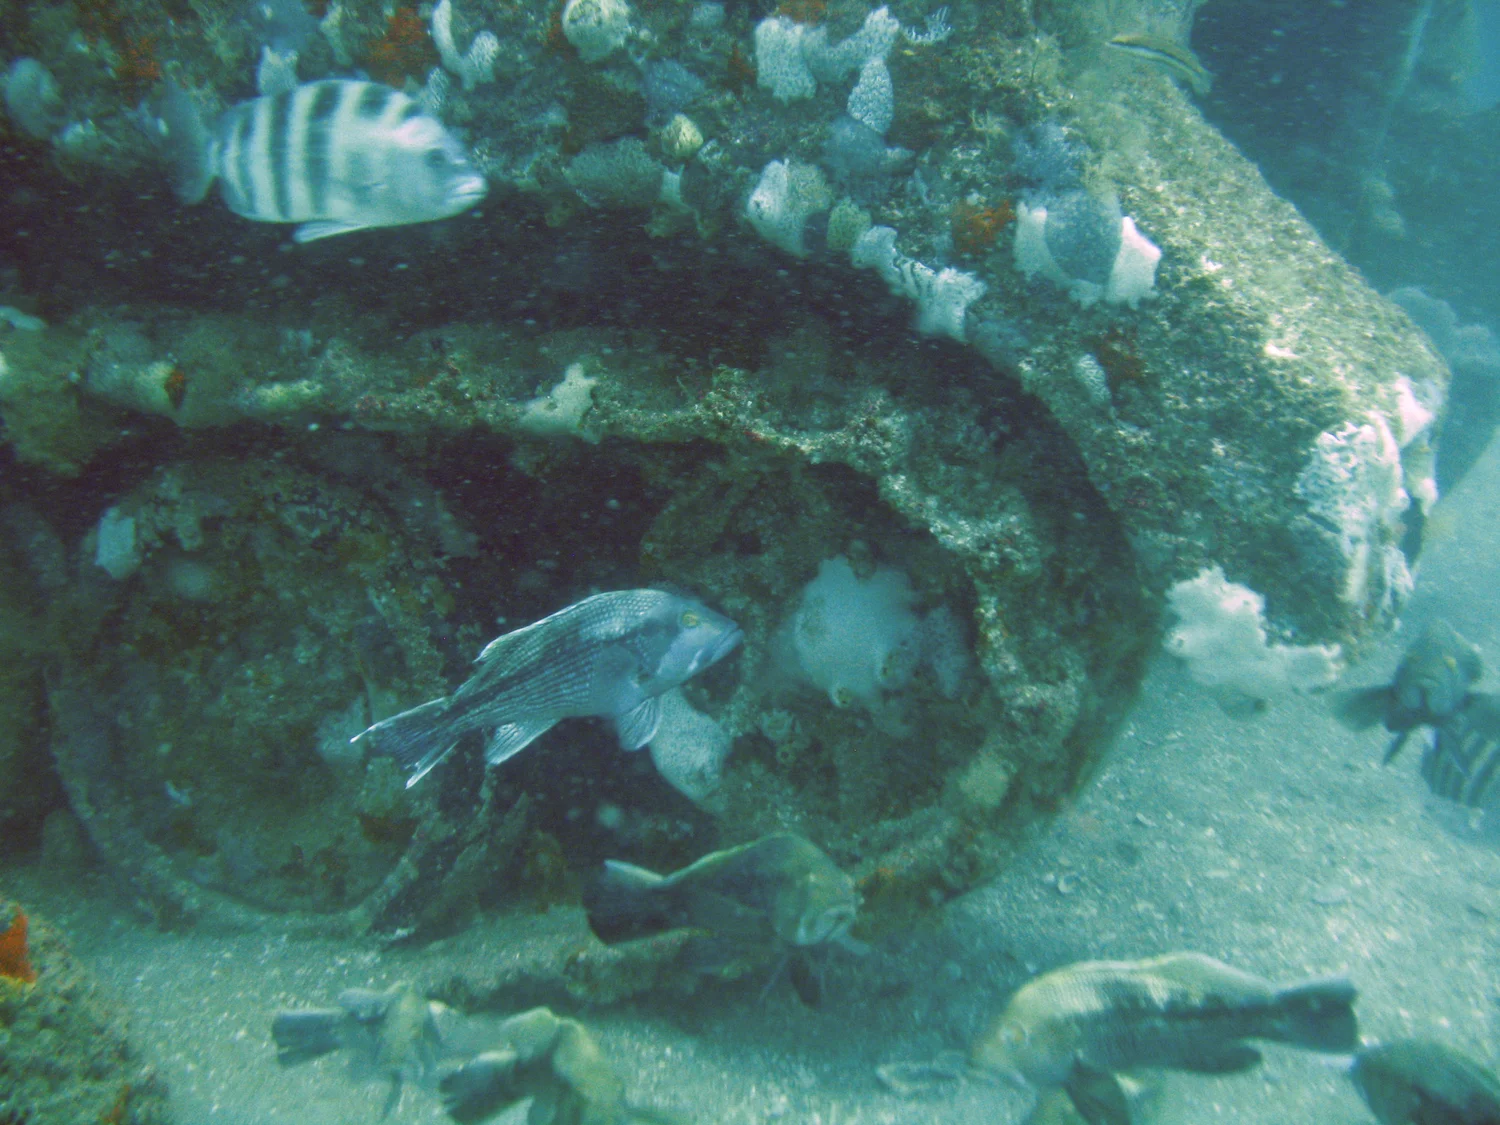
[[408, 111], [278, 141], [318, 142], [373, 100], [1479, 792], [1462, 762]]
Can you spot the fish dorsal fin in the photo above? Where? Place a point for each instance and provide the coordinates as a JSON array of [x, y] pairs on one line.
[[638, 725], [510, 739], [324, 228]]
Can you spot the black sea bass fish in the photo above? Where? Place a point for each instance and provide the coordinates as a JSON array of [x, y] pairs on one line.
[[611, 655], [398, 1035], [1073, 1027], [778, 889], [1421, 1082], [335, 156]]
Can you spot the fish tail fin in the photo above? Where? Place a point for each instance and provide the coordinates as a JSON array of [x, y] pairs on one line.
[[308, 1033], [481, 1086], [1318, 1015], [621, 903], [418, 739], [185, 143], [1361, 708]]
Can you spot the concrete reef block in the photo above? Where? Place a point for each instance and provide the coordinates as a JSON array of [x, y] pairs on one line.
[[1260, 341]]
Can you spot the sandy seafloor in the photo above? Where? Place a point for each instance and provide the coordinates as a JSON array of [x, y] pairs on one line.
[[1276, 842]]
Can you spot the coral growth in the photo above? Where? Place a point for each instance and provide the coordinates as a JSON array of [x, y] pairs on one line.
[[803, 11], [976, 225], [14, 962], [138, 69], [404, 51], [66, 1056]]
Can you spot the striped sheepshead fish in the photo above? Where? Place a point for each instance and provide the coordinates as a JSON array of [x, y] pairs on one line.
[[334, 156], [1462, 762]]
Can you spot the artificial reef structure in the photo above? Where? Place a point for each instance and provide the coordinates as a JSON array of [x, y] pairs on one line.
[[959, 301]]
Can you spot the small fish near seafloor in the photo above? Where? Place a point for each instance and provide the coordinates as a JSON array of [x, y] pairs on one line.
[[555, 1062], [1431, 683], [1421, 1082], [397, 1034], [780, 889], [335, 156], [611, 656], [1074, 1027]]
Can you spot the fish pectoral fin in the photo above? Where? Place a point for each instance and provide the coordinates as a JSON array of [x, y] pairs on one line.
[[726, 917], [638, 725], [1097, 1095], [806, 978], [510, 739], [393, 1099], [324, 228]]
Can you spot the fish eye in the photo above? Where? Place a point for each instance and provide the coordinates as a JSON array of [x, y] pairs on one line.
[[435, 158], [691, 620]]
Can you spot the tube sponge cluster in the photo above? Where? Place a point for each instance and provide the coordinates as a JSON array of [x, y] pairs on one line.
[[791, 58], [473, 66]]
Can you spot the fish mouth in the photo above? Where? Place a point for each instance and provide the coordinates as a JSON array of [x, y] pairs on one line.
[[728, 641], [469, 191], [829, 926]]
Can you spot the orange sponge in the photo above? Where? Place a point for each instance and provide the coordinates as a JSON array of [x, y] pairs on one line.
[[13, 960]]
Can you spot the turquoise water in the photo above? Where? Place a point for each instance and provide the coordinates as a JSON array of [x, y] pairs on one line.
[[944, 352]]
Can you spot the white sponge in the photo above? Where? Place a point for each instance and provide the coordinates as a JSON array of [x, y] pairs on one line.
[[689, 749], [788, 194], [1132, 276], [559, 412], [1221, 634], [779, 63], [942, 296], [595, 27], [856, 638], [474, 66]]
